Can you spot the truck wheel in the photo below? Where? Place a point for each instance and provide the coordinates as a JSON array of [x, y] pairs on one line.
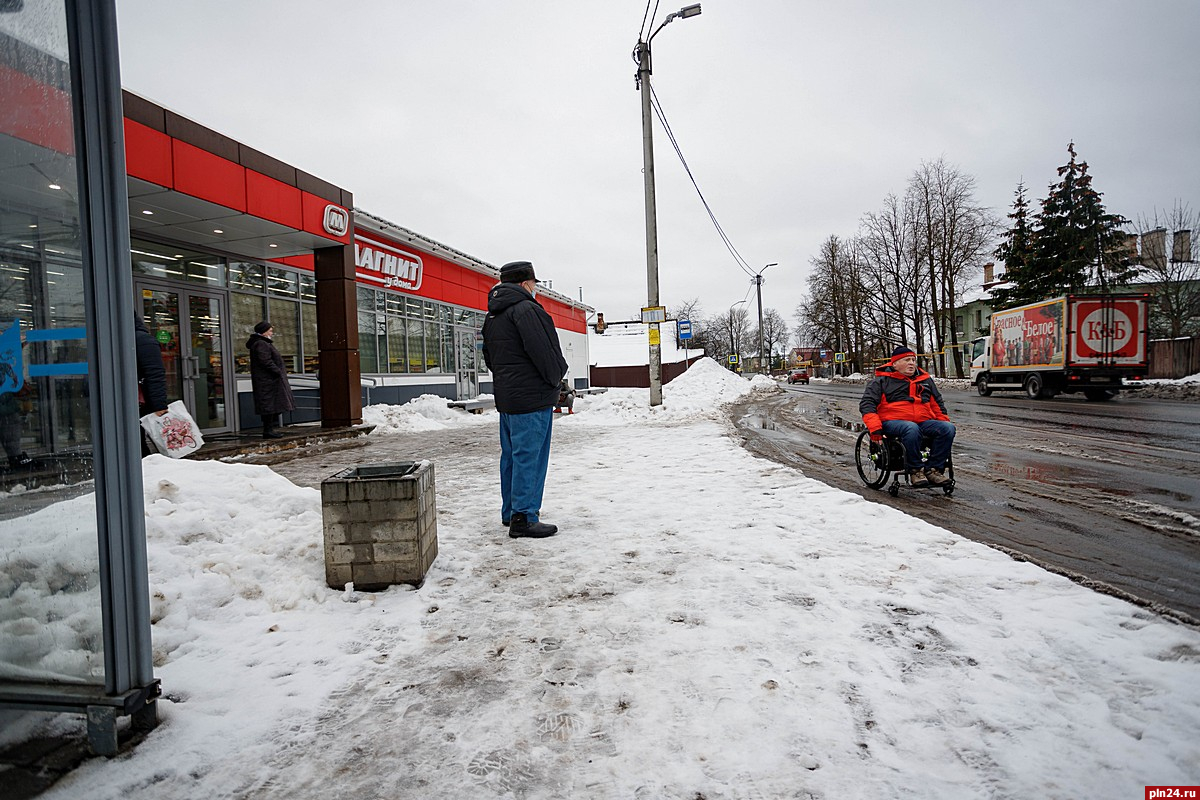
[[1033, 387], [1099, 395], [982, 387]]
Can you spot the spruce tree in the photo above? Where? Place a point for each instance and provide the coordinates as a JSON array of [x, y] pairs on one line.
[[1076, 241], [1016, 250]]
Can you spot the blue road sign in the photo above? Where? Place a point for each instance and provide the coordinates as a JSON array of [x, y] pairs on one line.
[[685, 328]]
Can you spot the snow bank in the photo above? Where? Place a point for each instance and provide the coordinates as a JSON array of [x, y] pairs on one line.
[[698, 393], [429, 412]]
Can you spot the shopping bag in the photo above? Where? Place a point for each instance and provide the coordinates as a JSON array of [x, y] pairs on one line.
[[174, 433]]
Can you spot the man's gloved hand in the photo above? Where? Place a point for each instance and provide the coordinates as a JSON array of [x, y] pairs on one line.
[[876, 435]]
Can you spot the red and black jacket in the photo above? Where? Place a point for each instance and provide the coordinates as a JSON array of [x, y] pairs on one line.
[[893, 396]]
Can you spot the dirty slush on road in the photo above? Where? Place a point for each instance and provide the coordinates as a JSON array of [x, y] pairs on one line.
[[1024, 495]]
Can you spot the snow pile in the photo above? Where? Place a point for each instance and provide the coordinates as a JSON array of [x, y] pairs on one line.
[[50, 615], [429, 412], [698, 393], [227, 543]]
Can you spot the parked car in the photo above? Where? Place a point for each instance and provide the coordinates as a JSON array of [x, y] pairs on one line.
[[799, 376]]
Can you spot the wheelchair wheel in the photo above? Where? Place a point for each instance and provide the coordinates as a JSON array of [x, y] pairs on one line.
[[871, 458], [948, 489]]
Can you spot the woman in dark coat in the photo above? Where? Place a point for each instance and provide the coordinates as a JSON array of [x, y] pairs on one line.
[[268, 379]]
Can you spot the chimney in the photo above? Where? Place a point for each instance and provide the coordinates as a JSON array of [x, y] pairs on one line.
[[1154, 248], [1181, 247], [988, 269]]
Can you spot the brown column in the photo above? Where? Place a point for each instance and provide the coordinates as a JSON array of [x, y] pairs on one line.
[[337, 337]]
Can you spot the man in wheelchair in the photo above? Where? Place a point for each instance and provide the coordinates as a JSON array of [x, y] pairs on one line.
[[903, 402]]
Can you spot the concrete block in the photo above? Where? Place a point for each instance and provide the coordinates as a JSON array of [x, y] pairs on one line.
[[395, 551], [338, 575]]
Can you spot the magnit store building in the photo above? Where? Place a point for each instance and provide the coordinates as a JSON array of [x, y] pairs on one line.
[[223, 236], [201, 237]]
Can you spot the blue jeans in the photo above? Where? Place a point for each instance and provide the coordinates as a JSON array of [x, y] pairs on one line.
[[911, 433], [524, 456]]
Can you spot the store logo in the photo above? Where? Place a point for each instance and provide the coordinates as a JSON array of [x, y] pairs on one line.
[[1107, 330], [337, 220], [392, 267]]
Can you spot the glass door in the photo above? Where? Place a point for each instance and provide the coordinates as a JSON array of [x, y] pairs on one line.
[[188, 327], [466, 363]]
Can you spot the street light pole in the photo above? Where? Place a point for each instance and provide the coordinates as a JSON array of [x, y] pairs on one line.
[[732, 343], [643, 81], [757, 280]]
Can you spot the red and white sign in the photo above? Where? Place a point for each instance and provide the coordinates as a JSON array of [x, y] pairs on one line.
[[336, 221], [387, 265], [1110, 331]]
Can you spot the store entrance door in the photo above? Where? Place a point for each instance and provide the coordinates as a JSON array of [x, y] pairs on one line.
[[187, 325], [466, 363]]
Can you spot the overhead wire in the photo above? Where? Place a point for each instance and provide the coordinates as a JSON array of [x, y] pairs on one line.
[[648, 15], [662, 118]]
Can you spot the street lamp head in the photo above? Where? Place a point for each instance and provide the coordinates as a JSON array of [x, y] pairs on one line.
[[683, 13]]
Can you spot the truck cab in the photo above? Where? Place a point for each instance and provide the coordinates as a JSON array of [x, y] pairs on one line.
[[980, 357]]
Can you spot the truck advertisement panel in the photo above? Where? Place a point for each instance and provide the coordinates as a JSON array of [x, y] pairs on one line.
[[1108, 331], [1029, 337]]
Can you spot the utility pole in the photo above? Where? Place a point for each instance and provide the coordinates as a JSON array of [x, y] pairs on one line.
[[643, 81], [757, 280]]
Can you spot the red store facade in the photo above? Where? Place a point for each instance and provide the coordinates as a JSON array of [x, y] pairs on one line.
[[365, 311]]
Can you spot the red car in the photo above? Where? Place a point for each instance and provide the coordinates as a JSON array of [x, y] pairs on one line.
[[799, 376]]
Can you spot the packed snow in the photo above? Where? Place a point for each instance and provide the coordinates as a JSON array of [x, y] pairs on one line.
[[706, 624]]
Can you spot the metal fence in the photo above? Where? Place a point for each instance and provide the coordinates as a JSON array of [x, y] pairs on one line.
[[1174, 358]]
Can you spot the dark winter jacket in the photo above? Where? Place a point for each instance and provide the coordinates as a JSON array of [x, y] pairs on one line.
[[890, 395], [268, 377], [521, 349], [152, 377]]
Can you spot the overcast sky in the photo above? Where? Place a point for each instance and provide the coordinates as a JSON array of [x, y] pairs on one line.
[[512, 130]]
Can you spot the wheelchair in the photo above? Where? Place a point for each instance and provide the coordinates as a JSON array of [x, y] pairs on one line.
[[878, 461]]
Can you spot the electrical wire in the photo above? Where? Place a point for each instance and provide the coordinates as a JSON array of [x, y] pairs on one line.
[[648, 15], [662, 118]]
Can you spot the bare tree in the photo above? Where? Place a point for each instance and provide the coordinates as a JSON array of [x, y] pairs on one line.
[[728, 332], [689, 310], [954, 235], [1173, 269], [774, 335], [832, 314], [893, 275]]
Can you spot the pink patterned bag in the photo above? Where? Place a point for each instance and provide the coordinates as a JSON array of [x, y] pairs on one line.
[[174, 433]]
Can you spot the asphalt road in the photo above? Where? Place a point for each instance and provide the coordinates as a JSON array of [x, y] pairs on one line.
[[1107, 494]]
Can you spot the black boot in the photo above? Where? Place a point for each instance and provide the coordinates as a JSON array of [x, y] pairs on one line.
[[269, 431], [520, 526]]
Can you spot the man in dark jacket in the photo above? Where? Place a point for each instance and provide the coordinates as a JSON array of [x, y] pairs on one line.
[[902, 401], [151, 375], [521, 349], [268, 379]]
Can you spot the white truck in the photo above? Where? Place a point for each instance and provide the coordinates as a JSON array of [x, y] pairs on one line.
[[1074, 343]]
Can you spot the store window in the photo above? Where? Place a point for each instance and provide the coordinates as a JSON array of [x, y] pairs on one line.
[[287, 299], [247, 275], [282, 282], [416, 345], [285, 334], [245, 311], [308, 327], [397, 351]]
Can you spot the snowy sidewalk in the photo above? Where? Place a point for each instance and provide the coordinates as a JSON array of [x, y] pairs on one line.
[[706, 624]]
